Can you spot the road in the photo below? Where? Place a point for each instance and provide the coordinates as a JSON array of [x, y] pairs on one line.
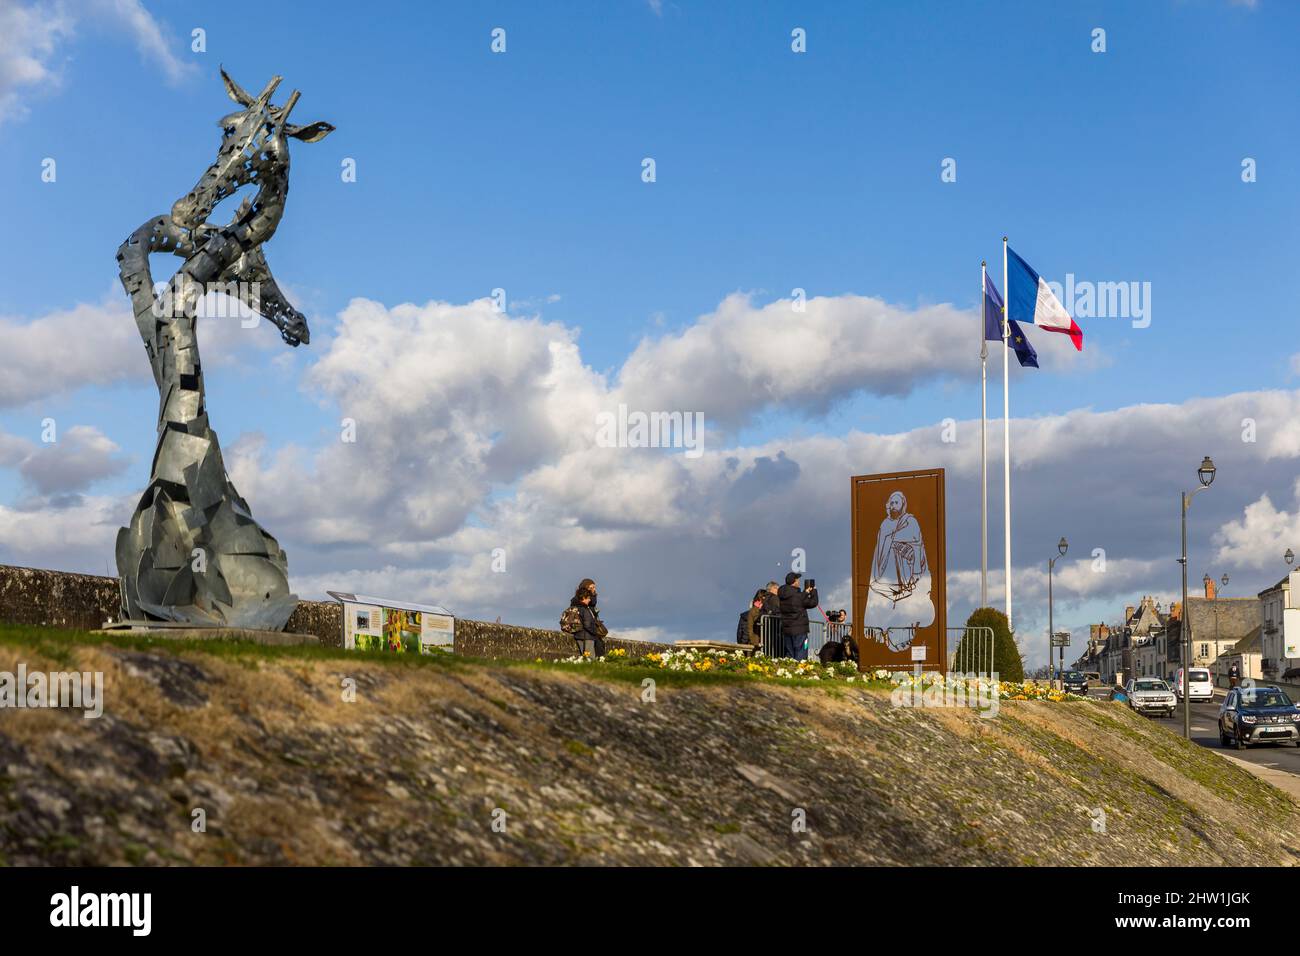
[[1205, 731]]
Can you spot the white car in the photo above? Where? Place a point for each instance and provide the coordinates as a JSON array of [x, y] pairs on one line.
[[1200, 687], [1150, 695]]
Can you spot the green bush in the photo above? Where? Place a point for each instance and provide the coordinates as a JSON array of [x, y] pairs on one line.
[[1006, 656]]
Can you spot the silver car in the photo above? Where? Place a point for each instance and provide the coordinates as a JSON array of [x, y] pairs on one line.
[[1150, 695]]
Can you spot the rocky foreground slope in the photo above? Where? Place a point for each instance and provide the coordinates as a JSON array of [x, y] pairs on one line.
[[576, 769]]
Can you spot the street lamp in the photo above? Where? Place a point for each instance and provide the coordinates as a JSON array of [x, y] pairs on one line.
[[1288, 557], [1204, 474], [1061, 546]]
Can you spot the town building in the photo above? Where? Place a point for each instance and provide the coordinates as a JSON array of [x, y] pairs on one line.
[[1280, 637], [1216, 626], [1136, 647], [1090, 660]]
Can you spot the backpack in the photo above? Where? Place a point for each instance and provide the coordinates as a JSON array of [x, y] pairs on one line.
[[571, 620]]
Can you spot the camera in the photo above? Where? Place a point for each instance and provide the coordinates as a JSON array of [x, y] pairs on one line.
[[810, 584]]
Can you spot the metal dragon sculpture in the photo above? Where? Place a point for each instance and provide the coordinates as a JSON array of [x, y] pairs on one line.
[[192, 552]]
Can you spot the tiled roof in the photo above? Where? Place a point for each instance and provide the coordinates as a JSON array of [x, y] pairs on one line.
[[1227, 619]]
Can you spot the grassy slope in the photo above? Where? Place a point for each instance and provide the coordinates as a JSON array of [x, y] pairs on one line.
[[713, 771]]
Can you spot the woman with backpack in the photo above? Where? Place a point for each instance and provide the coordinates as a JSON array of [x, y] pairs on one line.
[[582, 620], [747, 632]]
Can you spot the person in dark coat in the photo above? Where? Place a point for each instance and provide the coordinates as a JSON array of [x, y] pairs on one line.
[[795, 603], [591, 638]]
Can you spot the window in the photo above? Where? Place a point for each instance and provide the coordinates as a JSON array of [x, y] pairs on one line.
[[363, 620], [1265, 697], [1205, 650]]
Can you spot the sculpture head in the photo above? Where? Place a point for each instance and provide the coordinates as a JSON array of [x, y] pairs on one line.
[[896, 505], [253, 152]]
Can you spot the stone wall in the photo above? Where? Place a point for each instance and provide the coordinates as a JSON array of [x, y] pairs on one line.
[[324, 619], [484, 639], [86, 601], [57, 598]]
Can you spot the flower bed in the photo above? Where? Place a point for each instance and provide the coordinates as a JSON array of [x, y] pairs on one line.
[[693, 660]]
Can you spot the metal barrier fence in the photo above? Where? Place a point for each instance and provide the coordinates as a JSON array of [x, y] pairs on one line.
[[977, 655], [820, 633]]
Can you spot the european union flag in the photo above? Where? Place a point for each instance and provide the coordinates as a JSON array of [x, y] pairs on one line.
[[1018, 342]]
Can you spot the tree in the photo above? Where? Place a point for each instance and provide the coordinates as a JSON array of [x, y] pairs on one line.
[[1007, 663]]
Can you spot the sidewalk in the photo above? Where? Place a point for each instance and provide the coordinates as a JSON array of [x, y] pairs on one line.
[[1288, 783]]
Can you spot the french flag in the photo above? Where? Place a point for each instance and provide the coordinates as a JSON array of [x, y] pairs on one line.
[[1030, 299]]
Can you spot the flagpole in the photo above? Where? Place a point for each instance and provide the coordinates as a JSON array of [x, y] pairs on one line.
[[1006, 430], [984, 443]]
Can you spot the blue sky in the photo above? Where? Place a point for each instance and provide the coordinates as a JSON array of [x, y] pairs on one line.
[[775, 170]]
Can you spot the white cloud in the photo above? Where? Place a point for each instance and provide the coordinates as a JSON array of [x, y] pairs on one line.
[[1262, 534], [13, 450], [33, 36], [153, 42], [81, 456], [88, 345], [29, 37], [80, 537], [66, 350], [742, 358]]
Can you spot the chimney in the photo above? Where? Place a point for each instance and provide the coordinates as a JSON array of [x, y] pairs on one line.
[[1128, 613], [1175, 610], [1209, 587]]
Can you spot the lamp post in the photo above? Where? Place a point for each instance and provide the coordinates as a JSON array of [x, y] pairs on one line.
[[1205, 474], [1061, 547], [1288, 557]]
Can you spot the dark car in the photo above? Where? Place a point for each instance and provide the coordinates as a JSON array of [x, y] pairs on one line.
[[1075, 682], [1254, 715]]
